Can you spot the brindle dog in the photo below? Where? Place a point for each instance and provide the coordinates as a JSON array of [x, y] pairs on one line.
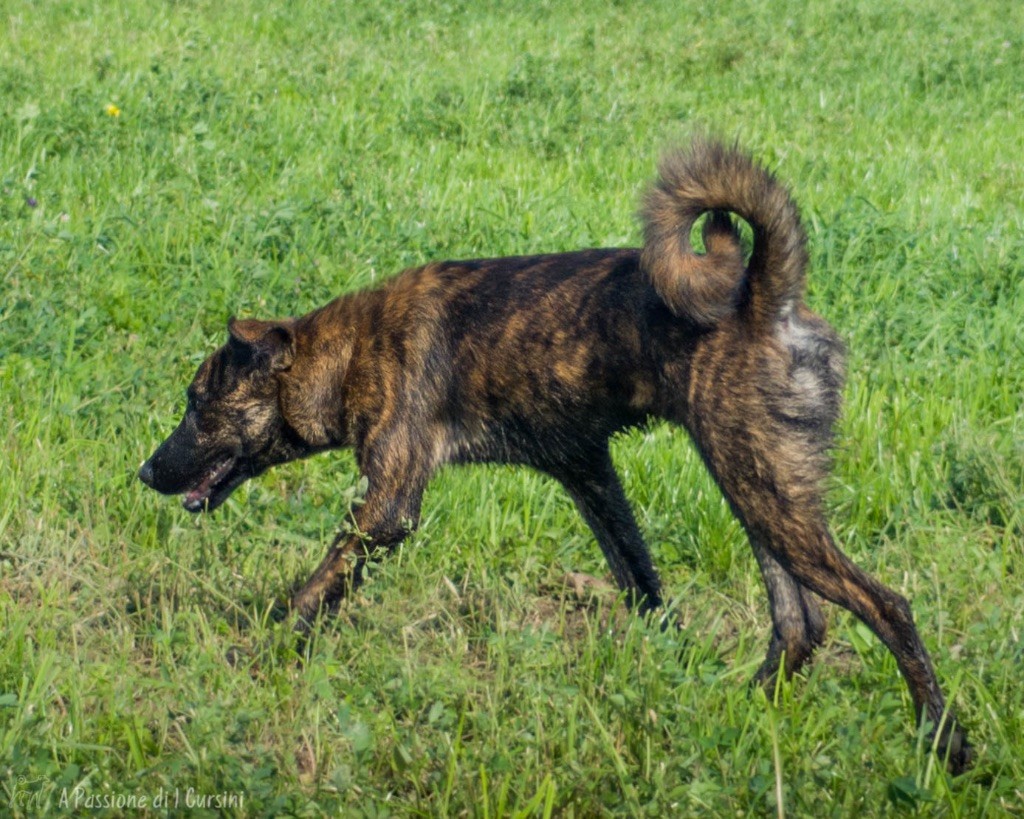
[[539, 360]]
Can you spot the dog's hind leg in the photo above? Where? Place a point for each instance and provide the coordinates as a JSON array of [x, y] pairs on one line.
[[798, 624], [595, 487], [805, 547], [783, 516]]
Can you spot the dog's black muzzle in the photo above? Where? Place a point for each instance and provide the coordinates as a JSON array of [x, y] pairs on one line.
[[176, 465]]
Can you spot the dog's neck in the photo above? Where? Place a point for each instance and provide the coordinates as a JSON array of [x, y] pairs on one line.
[[313, 388]]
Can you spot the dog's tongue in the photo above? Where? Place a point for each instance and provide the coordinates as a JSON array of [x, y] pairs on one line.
[[196, 498]]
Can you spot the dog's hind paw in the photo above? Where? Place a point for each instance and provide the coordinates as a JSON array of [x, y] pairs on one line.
[[956, 750]]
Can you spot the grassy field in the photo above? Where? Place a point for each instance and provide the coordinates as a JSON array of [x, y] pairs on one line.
[[166, 165]]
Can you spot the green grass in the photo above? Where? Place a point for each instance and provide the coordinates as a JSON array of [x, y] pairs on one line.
[[269, 156]]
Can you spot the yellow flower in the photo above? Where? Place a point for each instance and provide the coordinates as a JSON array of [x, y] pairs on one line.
[[112, 110]]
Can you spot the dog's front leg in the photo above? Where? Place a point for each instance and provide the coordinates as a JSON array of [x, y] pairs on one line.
[[390, 512]]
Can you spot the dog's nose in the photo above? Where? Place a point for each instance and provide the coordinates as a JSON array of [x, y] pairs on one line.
[[146, 474]]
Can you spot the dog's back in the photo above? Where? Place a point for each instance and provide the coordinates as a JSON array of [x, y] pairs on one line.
[[566, 349]]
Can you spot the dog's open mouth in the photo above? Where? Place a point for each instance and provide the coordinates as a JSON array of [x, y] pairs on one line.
[[214, 487]]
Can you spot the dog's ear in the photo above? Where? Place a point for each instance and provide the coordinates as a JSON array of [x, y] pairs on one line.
[[270, 342]]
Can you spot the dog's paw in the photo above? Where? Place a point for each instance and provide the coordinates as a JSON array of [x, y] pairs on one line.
[[956, 750]]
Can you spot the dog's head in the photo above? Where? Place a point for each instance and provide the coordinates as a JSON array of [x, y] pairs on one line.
[[233, 427]]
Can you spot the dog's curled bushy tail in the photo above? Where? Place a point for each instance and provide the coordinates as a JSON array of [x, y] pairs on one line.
[[708, 287]]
